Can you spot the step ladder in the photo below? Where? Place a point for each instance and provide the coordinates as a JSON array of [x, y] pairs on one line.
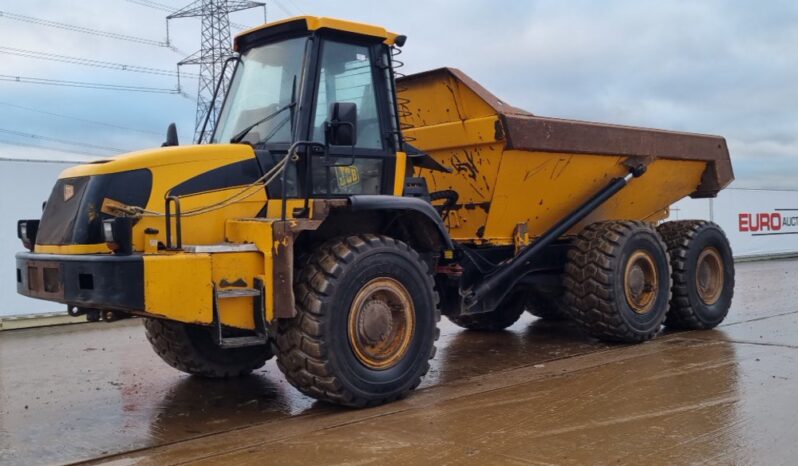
[[261, 336]]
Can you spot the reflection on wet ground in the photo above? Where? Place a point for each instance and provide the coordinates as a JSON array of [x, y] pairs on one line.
[[539, 391], [530, 341]]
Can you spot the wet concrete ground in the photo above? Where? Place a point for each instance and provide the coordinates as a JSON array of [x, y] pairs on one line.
[[538, 393]]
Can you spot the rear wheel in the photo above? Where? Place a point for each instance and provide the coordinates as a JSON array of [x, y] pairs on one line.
[[366, 322], [502, 317], [191, 349], [617, 281], [703, 274], [546, 305]]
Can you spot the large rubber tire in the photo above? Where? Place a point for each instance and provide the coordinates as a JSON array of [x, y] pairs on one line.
[[686, 241], [316, 350], [504, 316], [546, 306], [191, 349], [596, 288]]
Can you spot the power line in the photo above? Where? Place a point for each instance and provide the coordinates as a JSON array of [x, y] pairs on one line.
[[43, 146], [70, 117], [282, 7], [81, 29], [32, 160], [213, 55], [154, 5], [60, 141], [90, 62], [169, 9], [298, 9], [89, 85]]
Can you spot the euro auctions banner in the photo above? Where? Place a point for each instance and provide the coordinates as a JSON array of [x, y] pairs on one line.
[[758, 222]]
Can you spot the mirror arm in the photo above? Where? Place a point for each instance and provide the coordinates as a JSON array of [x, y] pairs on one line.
[[353, 128], [293, 157], [329, 127]]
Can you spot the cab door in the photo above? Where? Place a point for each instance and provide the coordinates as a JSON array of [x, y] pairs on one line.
[[346, 74]]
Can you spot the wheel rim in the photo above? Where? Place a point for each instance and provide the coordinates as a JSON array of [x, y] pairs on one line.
[[641, 282], [381, 323], [709, 275]]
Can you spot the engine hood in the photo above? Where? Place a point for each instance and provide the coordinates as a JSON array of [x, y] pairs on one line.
[[74, 212], [162, 156]]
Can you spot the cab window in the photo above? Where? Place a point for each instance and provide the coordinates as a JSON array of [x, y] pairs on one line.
[[345, 76], [265, 83]]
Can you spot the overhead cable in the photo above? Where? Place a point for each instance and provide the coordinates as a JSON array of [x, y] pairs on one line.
[[88, 85], [60, 141], [75, 118], [91, 62], [81, 29]]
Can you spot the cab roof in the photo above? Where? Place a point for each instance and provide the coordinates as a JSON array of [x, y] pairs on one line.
[[314, 23]]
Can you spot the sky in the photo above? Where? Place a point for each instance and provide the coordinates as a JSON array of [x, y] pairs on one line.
[[718, 67]]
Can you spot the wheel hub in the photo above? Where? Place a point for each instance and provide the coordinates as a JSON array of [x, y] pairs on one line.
[[381, 323], [640, 282], [709, 275], [375, 321]]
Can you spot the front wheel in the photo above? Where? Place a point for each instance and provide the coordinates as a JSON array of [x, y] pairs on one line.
[[366, 322], [191, 349]]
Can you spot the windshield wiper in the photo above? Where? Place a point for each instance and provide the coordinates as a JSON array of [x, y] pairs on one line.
[[242, 134], [275, 130]]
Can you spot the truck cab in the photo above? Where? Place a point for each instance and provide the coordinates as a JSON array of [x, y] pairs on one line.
[[287, 81]]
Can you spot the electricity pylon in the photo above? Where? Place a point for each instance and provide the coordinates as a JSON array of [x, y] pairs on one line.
[[214, 50]]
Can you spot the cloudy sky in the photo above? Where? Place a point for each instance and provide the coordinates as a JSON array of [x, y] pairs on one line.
[[727, 68]]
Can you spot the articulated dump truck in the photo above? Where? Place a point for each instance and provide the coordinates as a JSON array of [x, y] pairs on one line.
[[334, 211]]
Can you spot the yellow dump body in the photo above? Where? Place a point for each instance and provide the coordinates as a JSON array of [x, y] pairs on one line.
[[510, 167]]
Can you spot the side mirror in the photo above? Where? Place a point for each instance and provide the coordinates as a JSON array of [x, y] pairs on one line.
[[171, 136], [341, 128]]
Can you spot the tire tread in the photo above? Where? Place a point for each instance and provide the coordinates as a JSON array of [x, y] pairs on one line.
[[173, 343], [589, 280], [678, 236], [302, 351]]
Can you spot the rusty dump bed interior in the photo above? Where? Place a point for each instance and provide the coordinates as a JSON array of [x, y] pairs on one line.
[[510, 166]]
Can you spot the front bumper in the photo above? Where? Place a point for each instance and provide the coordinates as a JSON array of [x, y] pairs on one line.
[[101, 281]]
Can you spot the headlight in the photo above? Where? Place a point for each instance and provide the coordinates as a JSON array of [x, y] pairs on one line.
[[118, 235], [26, 231], [108, 231]]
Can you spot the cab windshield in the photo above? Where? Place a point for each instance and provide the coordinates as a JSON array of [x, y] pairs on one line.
[[266, 81]]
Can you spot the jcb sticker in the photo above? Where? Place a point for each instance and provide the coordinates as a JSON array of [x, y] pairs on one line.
[[69, 192], [347, 176]]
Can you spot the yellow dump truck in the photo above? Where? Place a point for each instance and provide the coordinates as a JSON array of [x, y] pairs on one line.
[[336, 211]]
